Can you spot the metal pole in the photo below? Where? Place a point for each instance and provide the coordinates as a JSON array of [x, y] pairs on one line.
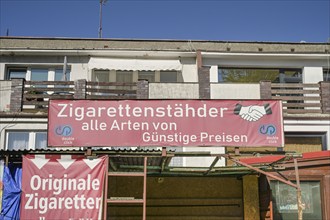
[[263, 172], [100, 26], [299, 200], [145, 188], [105, 196]]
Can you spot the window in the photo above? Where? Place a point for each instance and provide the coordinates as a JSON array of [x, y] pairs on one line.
[[168, 76], [37, 74], [303, 142], [16, 73], [326, 74], [21, 140], [59, 75], [300, 142], [285, 200], [147, 75], [250, 75], [124, 76], [101, 76]]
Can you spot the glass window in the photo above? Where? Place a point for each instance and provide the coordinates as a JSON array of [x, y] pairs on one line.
[[303, 143], [124, 76], [39, 74], [326, 74], [41, 140], [285, 200], [20, 140], [147, 75], [249, 75], [168, 76], [16, 73], [101, 76], [59, 75]]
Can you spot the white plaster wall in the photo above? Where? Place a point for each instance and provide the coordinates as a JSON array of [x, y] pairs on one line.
[[2, 71], [235, 91], [214, 74], [203, 161], [5, 88], [312, 74], [80, 71], [189, 70], [173, 91]]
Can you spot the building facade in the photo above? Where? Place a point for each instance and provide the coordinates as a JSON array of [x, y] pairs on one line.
[[35, 70]]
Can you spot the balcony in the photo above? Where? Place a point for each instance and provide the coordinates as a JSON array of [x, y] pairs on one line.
[[311, 100]]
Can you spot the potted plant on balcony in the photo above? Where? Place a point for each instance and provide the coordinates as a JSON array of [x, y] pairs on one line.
[[34, 91]]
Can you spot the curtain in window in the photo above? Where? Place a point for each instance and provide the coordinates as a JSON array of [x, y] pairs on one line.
[[101, 76], [41, 140], [124, 76], [147, 75], [18, 140]]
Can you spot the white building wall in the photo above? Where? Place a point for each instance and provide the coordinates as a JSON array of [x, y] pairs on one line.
[[173, 91], [189, 70], [5, 88], [203, 161], [2, 71], [312, 74], [80, 71], [235, 91], [214, 74]]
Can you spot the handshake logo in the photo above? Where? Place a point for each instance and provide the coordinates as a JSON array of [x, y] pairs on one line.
[[252, 112]]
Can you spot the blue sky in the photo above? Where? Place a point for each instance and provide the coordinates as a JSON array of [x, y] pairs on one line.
[[234, 20]]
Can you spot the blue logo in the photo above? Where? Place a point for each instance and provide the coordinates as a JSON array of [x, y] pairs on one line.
[[63, 130], [267, 130]]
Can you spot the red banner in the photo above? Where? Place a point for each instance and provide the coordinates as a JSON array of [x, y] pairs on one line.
[[62, 187], [165, 123]]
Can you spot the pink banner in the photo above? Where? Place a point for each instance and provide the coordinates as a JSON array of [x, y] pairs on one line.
[[62, 187], [165, 123]]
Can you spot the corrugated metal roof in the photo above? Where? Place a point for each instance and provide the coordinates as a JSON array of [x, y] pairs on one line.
[[132, 160]]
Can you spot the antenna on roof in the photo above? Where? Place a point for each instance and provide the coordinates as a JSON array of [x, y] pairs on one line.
[[102, 2]]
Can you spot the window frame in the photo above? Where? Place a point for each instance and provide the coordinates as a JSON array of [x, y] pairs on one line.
[[303, 178], [28, 75], [9, 69], [32, 134], [322, 135], [326, 74], [281, 72]]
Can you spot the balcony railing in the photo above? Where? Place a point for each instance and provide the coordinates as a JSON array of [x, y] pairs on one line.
[[298, 98], [111, 90], [36, 94], [309, 99]]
